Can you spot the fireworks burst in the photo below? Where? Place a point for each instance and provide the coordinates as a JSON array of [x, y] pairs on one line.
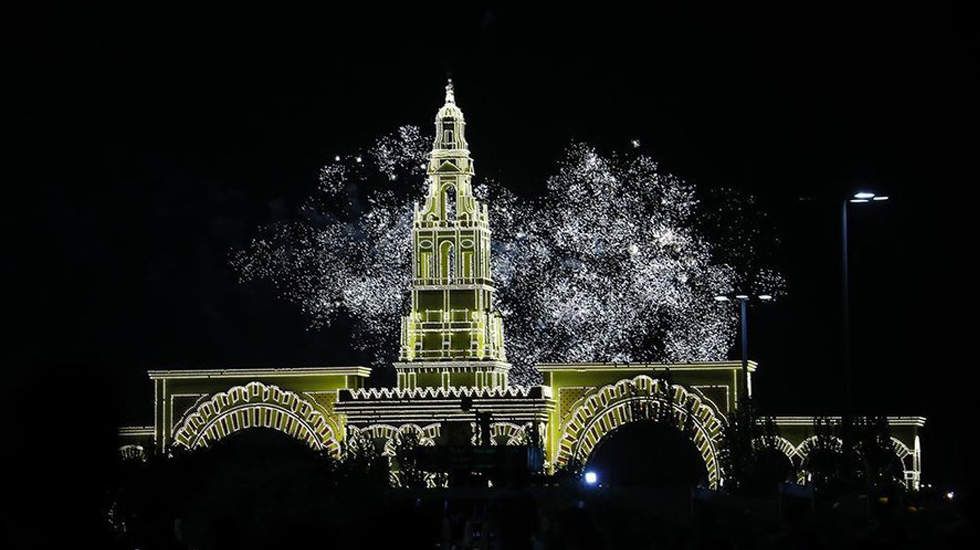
[[608, 265]]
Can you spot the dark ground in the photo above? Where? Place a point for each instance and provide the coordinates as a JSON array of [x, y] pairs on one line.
[[258, 489]]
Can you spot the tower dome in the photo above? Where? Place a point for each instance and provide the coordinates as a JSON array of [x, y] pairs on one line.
[[449, 110], [450, 124]]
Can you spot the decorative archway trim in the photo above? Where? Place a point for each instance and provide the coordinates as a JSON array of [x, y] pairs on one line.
[[133, 452], [256, 405], [806, 446], [610, 407], [511, 433], [901, 449], [390, 434]]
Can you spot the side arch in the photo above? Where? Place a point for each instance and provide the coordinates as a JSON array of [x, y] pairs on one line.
[[784, 446], [907, 458], [806, 446], [507, 433], [132, 453], [803, 451], [613, 405], [256, 405], [501, 433]]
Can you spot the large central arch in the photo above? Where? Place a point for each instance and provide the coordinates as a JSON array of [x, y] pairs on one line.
[[256, 405], [614, 405]]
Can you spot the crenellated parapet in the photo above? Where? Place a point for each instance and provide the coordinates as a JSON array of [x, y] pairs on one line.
[[452, 392], [516, 405]]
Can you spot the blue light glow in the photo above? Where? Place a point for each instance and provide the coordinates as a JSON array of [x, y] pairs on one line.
[[591, 478]]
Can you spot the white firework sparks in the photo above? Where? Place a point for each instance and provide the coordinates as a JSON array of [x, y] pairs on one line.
[[609, 265]]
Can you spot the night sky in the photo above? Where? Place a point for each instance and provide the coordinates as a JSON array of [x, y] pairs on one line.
[[155, 146]]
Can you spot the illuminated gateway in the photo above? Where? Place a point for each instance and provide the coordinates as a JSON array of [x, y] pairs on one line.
[[452, 350]]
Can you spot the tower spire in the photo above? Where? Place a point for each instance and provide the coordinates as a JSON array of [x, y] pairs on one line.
[[450, 98]]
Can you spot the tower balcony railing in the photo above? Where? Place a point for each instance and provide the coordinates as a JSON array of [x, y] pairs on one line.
[[448, 326], [450, 354], [424, 281], [439, 327], [450, 224], [440, 317]]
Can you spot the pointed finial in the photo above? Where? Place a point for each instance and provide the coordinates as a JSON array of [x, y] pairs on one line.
[[450, 98]]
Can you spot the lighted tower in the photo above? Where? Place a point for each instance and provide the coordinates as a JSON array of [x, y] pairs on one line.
[[452, 336]]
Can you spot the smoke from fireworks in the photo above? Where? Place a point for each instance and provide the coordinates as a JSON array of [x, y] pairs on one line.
[[610, 264]]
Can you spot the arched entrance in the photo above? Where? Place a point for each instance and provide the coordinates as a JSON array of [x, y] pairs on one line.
[[250, 489], [255, 405], [641, 399], [646, 453]]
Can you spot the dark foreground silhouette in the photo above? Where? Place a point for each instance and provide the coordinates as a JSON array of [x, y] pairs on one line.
[[259, 489]]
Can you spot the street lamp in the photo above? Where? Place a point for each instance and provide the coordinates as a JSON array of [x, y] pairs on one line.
[[743, 305], [861, 197]]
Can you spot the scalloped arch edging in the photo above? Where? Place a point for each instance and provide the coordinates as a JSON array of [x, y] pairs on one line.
[[390, 434], [510, 433], [606, 409], [256, 405], [132, 452]]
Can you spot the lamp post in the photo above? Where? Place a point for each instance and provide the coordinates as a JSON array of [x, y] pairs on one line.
[[861, 197], [743, 305]]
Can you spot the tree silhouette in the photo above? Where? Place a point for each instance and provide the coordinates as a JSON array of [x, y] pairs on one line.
[[752, 463], [364, 463], [854, 455], [410, 475]]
